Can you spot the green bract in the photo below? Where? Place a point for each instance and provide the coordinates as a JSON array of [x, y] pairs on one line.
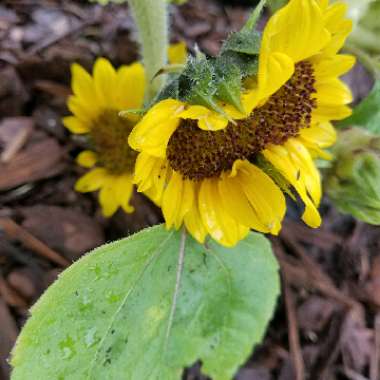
[[353, 181], [208, 80], [107, 317]]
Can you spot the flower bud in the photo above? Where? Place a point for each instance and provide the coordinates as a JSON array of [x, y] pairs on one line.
[[353, 180]]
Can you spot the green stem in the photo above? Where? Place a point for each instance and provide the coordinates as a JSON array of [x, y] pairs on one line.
[[366, 39], [152, 22], [368, 62], [251, 23]]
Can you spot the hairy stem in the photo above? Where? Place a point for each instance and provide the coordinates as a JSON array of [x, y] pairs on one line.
[[152, 22]]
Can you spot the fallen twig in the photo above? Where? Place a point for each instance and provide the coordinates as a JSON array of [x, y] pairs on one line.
[[294, 339], [15, 231], [375, 358]]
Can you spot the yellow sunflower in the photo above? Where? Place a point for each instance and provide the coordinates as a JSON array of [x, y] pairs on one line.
[[95, 104], [222, 178]]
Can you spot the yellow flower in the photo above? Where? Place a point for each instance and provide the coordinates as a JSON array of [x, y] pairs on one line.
[[222, 178], [95, 104]]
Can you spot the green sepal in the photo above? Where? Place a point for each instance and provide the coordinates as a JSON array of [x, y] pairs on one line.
[[248, 65], [170, 91], [229, 79], [197, 82], [243, 42]]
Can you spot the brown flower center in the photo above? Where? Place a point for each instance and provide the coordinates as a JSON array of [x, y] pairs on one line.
[[199, 154], [109, 138]]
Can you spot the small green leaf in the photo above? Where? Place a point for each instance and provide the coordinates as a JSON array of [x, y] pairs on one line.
[[107, 317], [367, 114]]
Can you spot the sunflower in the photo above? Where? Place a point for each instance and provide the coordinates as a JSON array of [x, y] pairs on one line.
[[222, 174], [95, 104]]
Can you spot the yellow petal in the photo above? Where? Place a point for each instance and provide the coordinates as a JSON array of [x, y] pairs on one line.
[[74, 125], [224, 229], [123, 192], [321, 134], [332, 91], [264, 196], [108, 199], [193, 220], [330, 67], [177, 200], [308, 172], [297, 30], [177, 53], [143, 171], [151, 176], [323, 4], [237, 205], [87, 159], [130, 87], [279, 157], [161, 177], [151, 135], [208, 120], [91, 181], [83, 85], [339, 27], [327, 112], [82, 109], [105, 79], [274, 71]]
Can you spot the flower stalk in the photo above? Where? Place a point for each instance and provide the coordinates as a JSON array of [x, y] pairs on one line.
[[152, 22]]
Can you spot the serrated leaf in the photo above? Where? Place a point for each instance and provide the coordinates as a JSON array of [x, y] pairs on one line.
[[244, 42], [367, 114], [107, 317]]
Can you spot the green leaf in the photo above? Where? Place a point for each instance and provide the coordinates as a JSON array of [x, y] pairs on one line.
[[367, 114], [107, 317]]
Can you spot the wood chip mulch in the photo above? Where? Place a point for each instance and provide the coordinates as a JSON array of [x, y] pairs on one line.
[[327, 324]]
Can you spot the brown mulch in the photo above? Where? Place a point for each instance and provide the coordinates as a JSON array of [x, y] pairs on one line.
[[327, 324]]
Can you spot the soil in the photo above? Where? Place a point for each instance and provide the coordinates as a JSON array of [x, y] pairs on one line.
[[327, 323]]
